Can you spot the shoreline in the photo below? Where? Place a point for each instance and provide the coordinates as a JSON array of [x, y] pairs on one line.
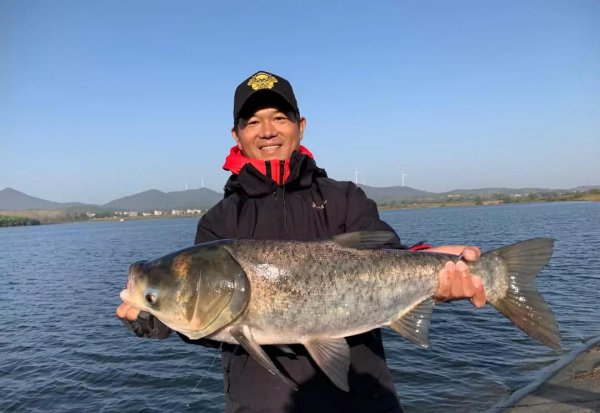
[[47, 217]]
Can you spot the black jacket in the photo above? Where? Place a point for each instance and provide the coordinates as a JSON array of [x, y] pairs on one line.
[[295, 200]]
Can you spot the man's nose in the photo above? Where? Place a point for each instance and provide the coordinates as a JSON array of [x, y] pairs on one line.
[[267, 130]]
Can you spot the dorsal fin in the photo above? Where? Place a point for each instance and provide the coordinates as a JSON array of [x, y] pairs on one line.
[[367, 239]]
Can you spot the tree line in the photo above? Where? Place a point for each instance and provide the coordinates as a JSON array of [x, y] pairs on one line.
[[15, 221]]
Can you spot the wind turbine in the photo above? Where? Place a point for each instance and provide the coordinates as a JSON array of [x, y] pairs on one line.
[[356, 176], [403, 175]]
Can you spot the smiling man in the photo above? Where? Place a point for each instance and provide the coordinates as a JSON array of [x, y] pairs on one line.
[[267, 123], [277, 191]]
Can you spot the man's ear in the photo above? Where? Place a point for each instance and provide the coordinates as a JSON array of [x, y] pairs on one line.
[[301, 126], [235, 137]]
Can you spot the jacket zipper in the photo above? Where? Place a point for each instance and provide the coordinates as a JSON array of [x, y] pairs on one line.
[[281, 172], [268, 169]]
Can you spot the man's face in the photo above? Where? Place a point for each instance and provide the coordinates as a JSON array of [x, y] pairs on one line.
[[269, 134]]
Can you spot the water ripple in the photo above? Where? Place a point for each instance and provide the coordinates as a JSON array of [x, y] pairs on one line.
[[65, 351]]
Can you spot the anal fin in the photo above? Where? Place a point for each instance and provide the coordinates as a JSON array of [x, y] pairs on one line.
[[243, 335], [332, 355], [414, 325]]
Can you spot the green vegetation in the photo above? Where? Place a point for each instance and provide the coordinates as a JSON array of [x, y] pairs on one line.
[[493, 199], [9, 218], [16, 221]]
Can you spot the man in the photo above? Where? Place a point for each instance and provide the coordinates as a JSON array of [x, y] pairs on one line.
[[276, 191]]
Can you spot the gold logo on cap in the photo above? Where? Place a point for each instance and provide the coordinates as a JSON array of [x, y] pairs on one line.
[[262, 81]]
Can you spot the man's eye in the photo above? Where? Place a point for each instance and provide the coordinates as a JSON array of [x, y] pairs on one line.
[[280, 118]]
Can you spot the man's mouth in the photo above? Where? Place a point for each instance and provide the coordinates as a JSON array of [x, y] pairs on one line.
[[270, 148]]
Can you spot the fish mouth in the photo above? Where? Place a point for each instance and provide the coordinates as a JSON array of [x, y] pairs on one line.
[[128, 295], [127, 298]]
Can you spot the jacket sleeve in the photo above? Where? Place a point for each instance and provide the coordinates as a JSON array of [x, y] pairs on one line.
[[362, 215], [210, 226]]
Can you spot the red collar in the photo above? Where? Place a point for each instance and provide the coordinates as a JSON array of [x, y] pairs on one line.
[[235, 161]]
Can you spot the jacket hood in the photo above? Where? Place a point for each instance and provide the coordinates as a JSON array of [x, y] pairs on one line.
[[235, 161], [259, 178]]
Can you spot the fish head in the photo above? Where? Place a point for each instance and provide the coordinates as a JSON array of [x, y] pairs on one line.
[[195, 291]]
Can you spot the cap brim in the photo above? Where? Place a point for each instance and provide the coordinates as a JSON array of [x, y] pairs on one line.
[[264, 98]]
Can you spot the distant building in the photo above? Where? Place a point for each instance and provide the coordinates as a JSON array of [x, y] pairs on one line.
[[193, 211], [177, 212], [157, 213]]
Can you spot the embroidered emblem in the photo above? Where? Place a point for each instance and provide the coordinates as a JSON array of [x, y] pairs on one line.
[[322, 206], [262, 81]]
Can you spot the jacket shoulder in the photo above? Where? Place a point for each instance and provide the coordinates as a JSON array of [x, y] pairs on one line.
[[223, 220]]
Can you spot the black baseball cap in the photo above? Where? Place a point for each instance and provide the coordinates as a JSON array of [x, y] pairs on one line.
[[260, 87]]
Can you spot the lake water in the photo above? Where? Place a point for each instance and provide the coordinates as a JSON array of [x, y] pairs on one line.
[[62, 349]]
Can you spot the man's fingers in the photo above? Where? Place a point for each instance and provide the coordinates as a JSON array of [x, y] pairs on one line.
[[121, 311], [479, 297], [464, 278], [457, 281], [127, 311], [132, 313], [443, 291], [471, 253]]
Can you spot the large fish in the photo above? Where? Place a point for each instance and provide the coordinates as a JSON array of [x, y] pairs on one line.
[[255, 292]]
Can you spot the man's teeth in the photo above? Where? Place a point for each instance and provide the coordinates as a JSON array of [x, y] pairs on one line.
[[269, 148]]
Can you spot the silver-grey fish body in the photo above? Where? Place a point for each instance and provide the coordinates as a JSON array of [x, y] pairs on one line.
[[305, 290], [256, 292]]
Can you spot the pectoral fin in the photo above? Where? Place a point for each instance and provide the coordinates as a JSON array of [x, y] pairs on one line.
[[332, 355], [414, 325], [243, 335]]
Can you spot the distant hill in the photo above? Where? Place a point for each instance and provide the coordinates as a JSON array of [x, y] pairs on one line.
[[153, 199], [586, 188], [503, 191], [11, 199], [203, 198], [397, 193]]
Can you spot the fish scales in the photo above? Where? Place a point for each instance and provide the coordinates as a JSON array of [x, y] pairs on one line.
[[302, 291]]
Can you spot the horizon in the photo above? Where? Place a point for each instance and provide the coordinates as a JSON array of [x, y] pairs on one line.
[[111, 99], [373, 187]]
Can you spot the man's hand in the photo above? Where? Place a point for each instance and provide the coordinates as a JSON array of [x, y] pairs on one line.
[[127, 311], [455, 279]]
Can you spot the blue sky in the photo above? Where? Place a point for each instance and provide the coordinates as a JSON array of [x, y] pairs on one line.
[[100, 100]]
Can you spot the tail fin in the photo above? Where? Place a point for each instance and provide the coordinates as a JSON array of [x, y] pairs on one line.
[[523, 304]]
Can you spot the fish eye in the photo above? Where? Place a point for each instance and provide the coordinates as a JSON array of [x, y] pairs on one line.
[[151, 297]]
